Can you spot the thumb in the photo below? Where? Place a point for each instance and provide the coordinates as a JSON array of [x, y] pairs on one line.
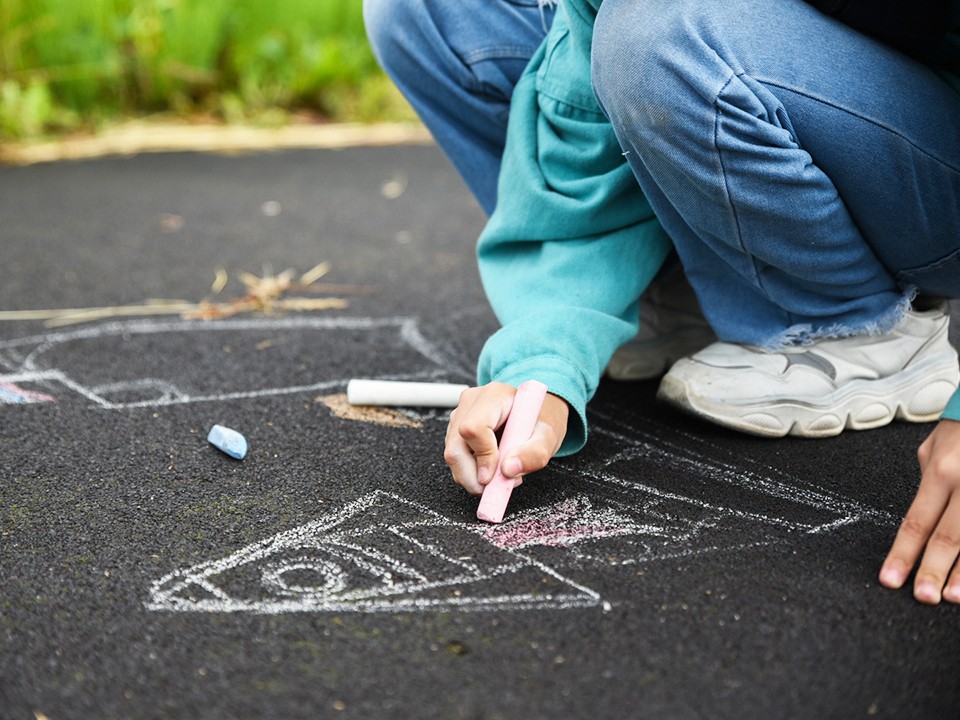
[[532, 455]]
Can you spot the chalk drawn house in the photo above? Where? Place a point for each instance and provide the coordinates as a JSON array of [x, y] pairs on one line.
[[146, 363]]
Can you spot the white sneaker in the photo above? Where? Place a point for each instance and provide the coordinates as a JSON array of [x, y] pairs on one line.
[[819, 389], [671, 327]]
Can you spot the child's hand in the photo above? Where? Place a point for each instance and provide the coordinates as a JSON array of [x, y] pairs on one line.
[[932, 522], [471, 444]]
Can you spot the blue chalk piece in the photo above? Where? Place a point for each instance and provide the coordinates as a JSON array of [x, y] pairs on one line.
[[229, 441]]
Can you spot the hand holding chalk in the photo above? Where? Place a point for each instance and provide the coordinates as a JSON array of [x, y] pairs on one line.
[[519, 427]]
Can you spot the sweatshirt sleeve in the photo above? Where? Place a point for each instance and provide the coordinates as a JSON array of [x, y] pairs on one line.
[[572, 243], [952, 410]]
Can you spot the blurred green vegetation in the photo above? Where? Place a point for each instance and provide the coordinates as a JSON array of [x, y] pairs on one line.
[[70, 64]]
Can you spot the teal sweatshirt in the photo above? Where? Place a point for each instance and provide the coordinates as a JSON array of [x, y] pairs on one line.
[[573, 242]]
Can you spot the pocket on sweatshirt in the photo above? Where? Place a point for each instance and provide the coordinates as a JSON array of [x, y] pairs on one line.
[[564, 74]]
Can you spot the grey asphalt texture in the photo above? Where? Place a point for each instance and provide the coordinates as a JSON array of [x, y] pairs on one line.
[[670, 570]]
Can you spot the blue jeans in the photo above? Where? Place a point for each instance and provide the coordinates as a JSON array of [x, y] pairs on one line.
[[457, 62], [810, 187], [808, 176]]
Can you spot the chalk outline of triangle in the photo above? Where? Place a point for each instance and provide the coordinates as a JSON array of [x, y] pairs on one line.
[[165, 592]]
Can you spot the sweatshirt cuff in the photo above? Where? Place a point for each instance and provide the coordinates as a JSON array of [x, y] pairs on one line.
[[563, 380], [952, 410]]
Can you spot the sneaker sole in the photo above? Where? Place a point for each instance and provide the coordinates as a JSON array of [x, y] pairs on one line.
[[917, 395]]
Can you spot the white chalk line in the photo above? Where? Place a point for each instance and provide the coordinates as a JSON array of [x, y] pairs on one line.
[[399, 578], [810, 492], [147, 326], [494, 603], [610, 479], [681, 531], [468, 567], [335, 578], [10, 359], [630, 522], [574, 525], [27, 368], [183, 398], [791, 489], [406, 326], [391, 595], [682, 534]]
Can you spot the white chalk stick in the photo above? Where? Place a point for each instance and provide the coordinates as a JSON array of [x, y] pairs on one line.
[[404, 394], [519, 427]]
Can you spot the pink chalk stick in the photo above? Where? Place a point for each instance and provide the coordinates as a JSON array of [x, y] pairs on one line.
[[518, 429]]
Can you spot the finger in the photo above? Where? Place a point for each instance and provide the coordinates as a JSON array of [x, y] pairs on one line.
[[456, 453], [474, 420], [915, 530], [477, 429], [463, 467], [532, 455], [940, 555], [545, 441], [951, 593]]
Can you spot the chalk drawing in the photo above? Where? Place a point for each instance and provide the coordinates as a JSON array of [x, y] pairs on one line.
[[151, 363], [380, 553], [640, 494], [384, 553], [690, 500], [13, 394], [565, 524]]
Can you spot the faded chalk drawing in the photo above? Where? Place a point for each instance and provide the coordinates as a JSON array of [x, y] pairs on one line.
[[381, 553], [640, 493], [150, 363], [13, 394], [384, 553]]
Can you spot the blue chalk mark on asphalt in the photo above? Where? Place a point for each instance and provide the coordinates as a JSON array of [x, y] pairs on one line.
[[229, 441], [11, 394], [11, 397]]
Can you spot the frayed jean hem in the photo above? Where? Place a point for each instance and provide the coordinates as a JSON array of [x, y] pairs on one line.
[[806, 334]]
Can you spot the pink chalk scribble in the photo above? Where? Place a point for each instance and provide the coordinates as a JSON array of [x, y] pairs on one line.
[[11, 394], [561, 525]]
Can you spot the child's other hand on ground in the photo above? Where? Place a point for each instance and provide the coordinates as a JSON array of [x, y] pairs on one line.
[[932, 524], [471, 443]]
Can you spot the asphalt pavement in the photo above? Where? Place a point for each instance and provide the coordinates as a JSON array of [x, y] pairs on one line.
[[671, 570]]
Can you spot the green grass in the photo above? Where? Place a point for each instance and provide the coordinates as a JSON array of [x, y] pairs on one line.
[[83, 63]]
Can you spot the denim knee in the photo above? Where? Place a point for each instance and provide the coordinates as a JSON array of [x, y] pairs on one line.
[[386, 22], [635, 45]]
